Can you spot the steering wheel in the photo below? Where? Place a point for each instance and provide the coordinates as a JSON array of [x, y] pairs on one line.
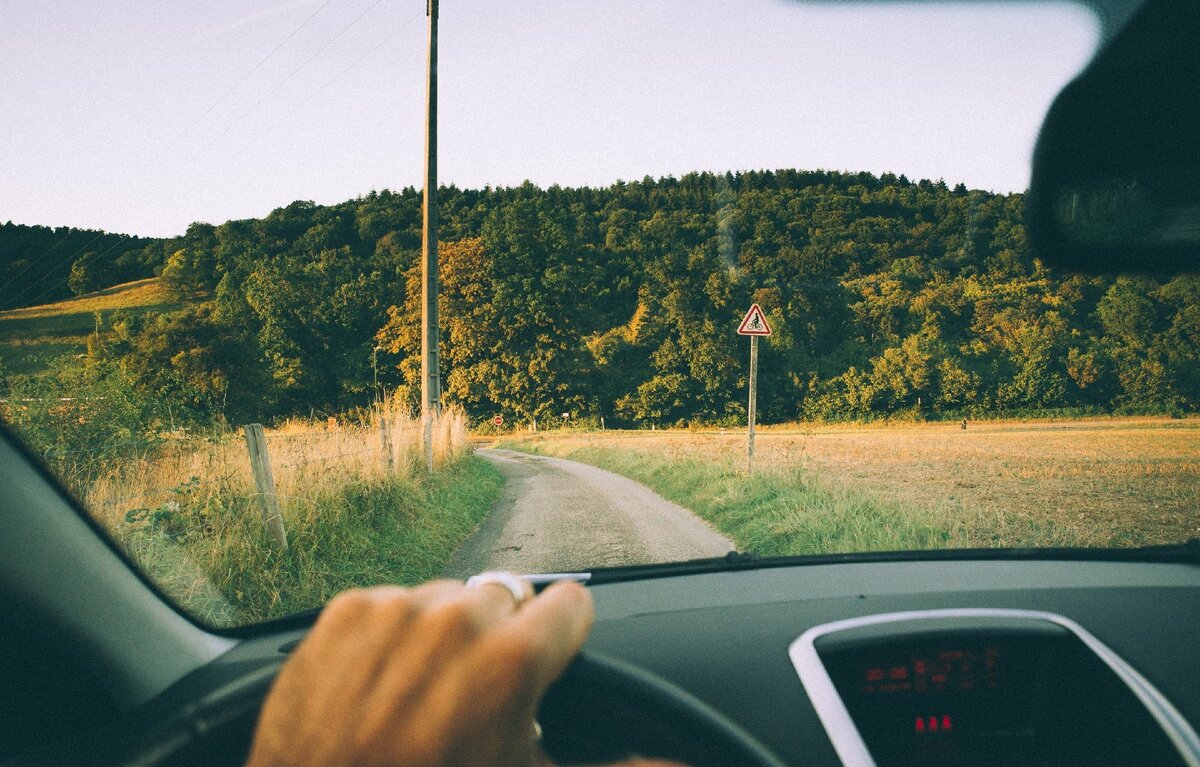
[[600, 710], [603, 709]]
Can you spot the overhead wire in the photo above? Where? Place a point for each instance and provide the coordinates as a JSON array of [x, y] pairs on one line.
[[53, 269], [312, 94], [21, 296], [28, 266], [94, 256], [247, 76], [343, 73], [274, 89]]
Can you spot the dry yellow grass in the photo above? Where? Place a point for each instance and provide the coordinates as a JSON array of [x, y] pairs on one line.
[[307, 459], [1102, 482], [148, 292], [190, 513]]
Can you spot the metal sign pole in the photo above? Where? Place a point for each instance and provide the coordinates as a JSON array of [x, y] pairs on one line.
[[754, 324], [753, 403]]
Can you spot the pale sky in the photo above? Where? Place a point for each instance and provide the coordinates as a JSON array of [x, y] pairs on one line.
[[141, 116]]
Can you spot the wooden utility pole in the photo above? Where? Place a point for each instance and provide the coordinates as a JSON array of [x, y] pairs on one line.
[[431, 387]]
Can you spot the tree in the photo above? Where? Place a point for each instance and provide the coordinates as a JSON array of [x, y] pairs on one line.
[[82, 278], [621, 302]]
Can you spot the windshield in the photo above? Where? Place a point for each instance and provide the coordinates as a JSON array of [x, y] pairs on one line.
[[709, 276]]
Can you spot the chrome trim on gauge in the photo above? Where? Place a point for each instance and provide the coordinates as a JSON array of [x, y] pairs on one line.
[[847, 740]]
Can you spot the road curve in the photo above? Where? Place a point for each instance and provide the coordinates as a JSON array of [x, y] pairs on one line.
[[557, 515]]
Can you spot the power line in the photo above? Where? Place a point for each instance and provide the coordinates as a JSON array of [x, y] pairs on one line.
[[33, 302], [246, 76], [312, 94], [343, 73], [32, 285], [48, 252], [284, 81], [20, 295]]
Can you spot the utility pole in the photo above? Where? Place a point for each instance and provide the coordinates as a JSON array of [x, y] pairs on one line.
[[431, 387]]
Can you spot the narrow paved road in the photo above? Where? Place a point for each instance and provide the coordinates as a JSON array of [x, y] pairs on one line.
[[557, 515]]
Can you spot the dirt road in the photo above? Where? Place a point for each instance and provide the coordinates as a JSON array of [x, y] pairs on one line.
[[557, 515]]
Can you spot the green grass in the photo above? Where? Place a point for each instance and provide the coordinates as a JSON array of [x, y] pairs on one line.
[[32, 338], [399, 530], [773, 513]]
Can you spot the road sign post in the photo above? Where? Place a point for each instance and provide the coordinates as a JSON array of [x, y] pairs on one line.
[[752, 405], [754, 324]]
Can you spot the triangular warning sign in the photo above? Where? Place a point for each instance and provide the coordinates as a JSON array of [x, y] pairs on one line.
[[754, 323]]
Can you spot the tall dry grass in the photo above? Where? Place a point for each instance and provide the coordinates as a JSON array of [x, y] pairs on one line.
[[190, 513]]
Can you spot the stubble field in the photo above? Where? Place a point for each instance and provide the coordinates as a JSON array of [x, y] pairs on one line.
[[1103, 482]]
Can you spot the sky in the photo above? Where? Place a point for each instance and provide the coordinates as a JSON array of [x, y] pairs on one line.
[[142, 116]]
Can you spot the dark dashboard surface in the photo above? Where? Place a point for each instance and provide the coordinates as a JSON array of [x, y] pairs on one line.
[[724, 636]]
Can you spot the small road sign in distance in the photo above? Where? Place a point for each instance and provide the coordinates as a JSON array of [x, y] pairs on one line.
[[754, 323], [498, 420]]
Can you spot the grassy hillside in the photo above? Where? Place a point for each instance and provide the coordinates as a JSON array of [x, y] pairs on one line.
[[32, 337]]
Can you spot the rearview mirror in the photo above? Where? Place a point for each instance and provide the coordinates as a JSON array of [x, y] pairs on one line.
[[1116, 172]]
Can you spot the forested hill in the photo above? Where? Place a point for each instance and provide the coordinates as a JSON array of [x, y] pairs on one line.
[[887, 297], [41, 264]]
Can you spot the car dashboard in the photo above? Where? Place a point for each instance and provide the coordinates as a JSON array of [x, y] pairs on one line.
[[997, 650], [918, 662]]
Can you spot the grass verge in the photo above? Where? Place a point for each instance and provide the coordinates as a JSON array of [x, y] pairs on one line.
[[772, 514], [190, 517], [401, 530]]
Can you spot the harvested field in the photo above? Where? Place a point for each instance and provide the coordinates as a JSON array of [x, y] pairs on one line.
[[1102, 482]]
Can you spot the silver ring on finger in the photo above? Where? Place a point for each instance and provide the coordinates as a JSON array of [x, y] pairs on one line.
[[518, 588]]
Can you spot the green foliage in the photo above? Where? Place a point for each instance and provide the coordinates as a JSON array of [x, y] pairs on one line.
[[39, 264], [889, 299], [360, 532], [83, 419], [82, 278]]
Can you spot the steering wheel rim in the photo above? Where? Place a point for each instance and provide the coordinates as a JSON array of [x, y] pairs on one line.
[[601, 709], [649, 707]]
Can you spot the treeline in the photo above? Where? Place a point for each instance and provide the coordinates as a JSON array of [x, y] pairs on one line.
[[888, 298], [42, 264]]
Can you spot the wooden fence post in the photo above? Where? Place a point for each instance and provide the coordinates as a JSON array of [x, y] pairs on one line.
[[260, 462], [385, 441]]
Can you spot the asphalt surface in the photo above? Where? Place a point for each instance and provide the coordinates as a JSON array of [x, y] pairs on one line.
[[557, 516]]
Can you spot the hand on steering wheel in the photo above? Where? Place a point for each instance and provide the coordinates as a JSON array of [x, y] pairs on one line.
[[432, 676]]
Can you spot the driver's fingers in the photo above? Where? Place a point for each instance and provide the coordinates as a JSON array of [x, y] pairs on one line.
[[466, 612], [492, 602], [549, 631]]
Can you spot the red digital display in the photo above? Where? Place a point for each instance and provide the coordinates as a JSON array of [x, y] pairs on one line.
[[933, 723], [941, 671]]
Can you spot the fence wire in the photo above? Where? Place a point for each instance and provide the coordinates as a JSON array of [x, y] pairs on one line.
[[193, 486]]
